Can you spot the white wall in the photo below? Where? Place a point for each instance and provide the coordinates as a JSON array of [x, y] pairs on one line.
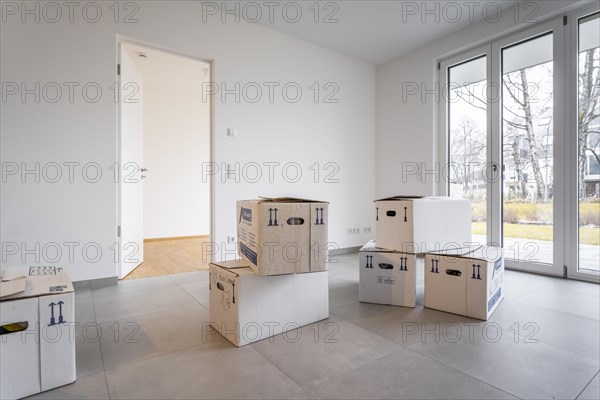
[[176, 143], [85, 213], [406, 124]]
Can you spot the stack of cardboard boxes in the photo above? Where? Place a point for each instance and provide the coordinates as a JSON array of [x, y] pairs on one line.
[[433, 233], [281, 282]]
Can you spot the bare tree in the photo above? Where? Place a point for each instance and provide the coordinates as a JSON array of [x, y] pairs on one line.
[[468, 155], [523, 118], [589, 111]]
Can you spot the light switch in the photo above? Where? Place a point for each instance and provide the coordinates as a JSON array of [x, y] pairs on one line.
[[231, 132]]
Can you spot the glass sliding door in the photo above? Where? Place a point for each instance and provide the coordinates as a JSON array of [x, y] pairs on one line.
[[503, 134], [527, 150], [520, 132], [468, 137], [588, 143]]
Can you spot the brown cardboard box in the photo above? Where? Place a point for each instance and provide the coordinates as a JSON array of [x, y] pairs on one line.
[[469, 284], [283, 235]]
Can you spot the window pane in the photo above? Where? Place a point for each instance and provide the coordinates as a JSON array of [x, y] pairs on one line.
[[589, 143], [467, 130], [527, 150]]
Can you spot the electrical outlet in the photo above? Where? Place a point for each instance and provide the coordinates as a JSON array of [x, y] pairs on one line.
[[353, 231], [230, 239], [366, 229]]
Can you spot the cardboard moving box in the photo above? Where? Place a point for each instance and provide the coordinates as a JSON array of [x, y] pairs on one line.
[[37, 339], [388, 277], [415, 224], [470, 284], [246, 307], [283, 235]]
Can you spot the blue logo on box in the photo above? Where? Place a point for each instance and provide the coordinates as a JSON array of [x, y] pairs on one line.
[[494, 299]]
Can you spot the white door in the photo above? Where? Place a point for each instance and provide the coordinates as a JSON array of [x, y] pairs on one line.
[[130, 167]]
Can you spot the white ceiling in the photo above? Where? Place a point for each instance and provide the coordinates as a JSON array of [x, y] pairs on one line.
[[377, 31]]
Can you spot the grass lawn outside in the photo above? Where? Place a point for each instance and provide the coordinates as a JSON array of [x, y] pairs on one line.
[[540, 232]]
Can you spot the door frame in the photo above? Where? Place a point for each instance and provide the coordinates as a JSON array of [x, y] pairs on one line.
[[118, 223], [556, 27], [494, 185], [571, 146], [444, 114]]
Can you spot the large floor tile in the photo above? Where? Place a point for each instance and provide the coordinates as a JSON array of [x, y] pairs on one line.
[[198, 290], [319, 352], [189, 277], [84, 310], [405, 325], [89, 387], [126, 286], [526, 370], [532, 323], [214, 370], [592, 391], [88, 356], [155, 334], [342, 293], [120, 306], [407, 375], [517, 283], [569, 285], [584, 305]]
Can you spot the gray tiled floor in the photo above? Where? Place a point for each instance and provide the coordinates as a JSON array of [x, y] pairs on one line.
[[542, 342]]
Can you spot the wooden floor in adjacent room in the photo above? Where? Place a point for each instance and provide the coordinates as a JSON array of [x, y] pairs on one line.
[[171, 256]]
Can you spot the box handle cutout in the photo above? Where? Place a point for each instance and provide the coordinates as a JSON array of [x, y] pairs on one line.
[[220, 286], [391, 213], [386, 266], [453, 272], [13, 327], [295, 221]]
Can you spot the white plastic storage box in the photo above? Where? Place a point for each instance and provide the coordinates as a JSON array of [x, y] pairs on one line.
[[387, 277], [415, 224], [283, 235], [470, 284], [246, 307], [37, 344]]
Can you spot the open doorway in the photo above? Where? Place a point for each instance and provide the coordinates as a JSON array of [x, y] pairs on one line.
[[165, 131]]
